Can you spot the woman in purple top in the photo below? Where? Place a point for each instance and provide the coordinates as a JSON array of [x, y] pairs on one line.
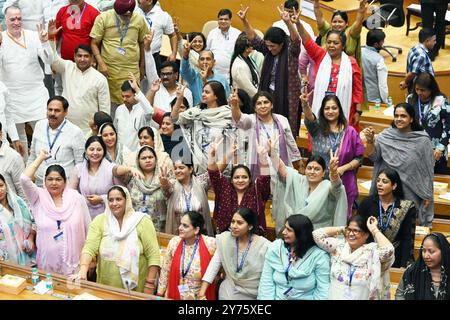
[[331, 131]]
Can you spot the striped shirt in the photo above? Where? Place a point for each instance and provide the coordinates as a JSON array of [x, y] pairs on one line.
[[418, 60]]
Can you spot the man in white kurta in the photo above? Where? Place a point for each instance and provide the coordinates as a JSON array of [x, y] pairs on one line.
[[32, 12], [85, 88], [22, 73], [135, 113], [221, 41]]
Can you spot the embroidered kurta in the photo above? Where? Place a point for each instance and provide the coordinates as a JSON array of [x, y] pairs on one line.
[[193, 277]]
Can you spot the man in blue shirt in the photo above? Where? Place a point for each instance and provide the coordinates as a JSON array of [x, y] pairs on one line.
[[197, 79], [418, 59]]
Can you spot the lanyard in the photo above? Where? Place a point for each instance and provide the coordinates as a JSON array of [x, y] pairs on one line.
[[187, 199], [384, 226], [351, 272], [334, 141], [51, 144], [125, 30], [24, 45], [58, 224], [421, 115], [289, 267], [150, 22], [244, 256], [184, 272], [265, 130]]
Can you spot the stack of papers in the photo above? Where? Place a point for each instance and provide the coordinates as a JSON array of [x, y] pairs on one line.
[[366, 184], [445, 196]]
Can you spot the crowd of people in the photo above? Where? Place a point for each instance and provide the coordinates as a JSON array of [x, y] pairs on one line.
[[104, 143]]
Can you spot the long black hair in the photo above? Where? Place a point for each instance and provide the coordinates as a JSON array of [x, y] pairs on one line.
[[415, 126], [323, 123], [197, 220], [251, 218], [219, 92], [426, 81], [418, 277], [242, 43], [303, 229], [393, 175]]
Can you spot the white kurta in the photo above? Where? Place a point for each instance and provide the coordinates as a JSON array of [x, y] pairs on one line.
[[87, 92], [8, 126], [128, 122], [23, 76]]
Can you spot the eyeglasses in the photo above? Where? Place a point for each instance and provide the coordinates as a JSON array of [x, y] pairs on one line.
[[166, 74], [354, 231]]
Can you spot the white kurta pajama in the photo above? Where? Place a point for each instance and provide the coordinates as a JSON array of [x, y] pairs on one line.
[[23, 75], [87, 92]]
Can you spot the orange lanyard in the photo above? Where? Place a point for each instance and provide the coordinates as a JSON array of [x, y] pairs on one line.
[[24, 45]]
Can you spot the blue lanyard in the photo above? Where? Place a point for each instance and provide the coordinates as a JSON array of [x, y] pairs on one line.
[[351, 272], [244, 256], [149, 21], [58, 223], [421, 115], [125, 30], [289, 267], [380, 222], [265, 130], [184, 272], [334, 141], [51, 144], [186, 198]]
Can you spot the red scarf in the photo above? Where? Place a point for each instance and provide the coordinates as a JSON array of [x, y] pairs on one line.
[[175, 273]]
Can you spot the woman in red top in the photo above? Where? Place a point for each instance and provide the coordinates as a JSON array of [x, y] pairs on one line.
[[334, 64], [239, 191]]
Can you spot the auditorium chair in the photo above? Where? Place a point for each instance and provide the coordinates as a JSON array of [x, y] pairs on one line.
[[389, 13]]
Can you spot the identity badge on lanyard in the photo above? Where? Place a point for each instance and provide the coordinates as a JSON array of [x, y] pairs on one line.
[[122, 33], [421, 115], [187, 198], [383, 227], [51, 144], [244, 256], [348, 295], [290, 291], [183, 288]]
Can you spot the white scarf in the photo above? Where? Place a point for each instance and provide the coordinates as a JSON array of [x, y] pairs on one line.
[[125, 241], [344, 84]]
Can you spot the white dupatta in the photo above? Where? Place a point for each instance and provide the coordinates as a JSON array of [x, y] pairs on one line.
[[344, 84]]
